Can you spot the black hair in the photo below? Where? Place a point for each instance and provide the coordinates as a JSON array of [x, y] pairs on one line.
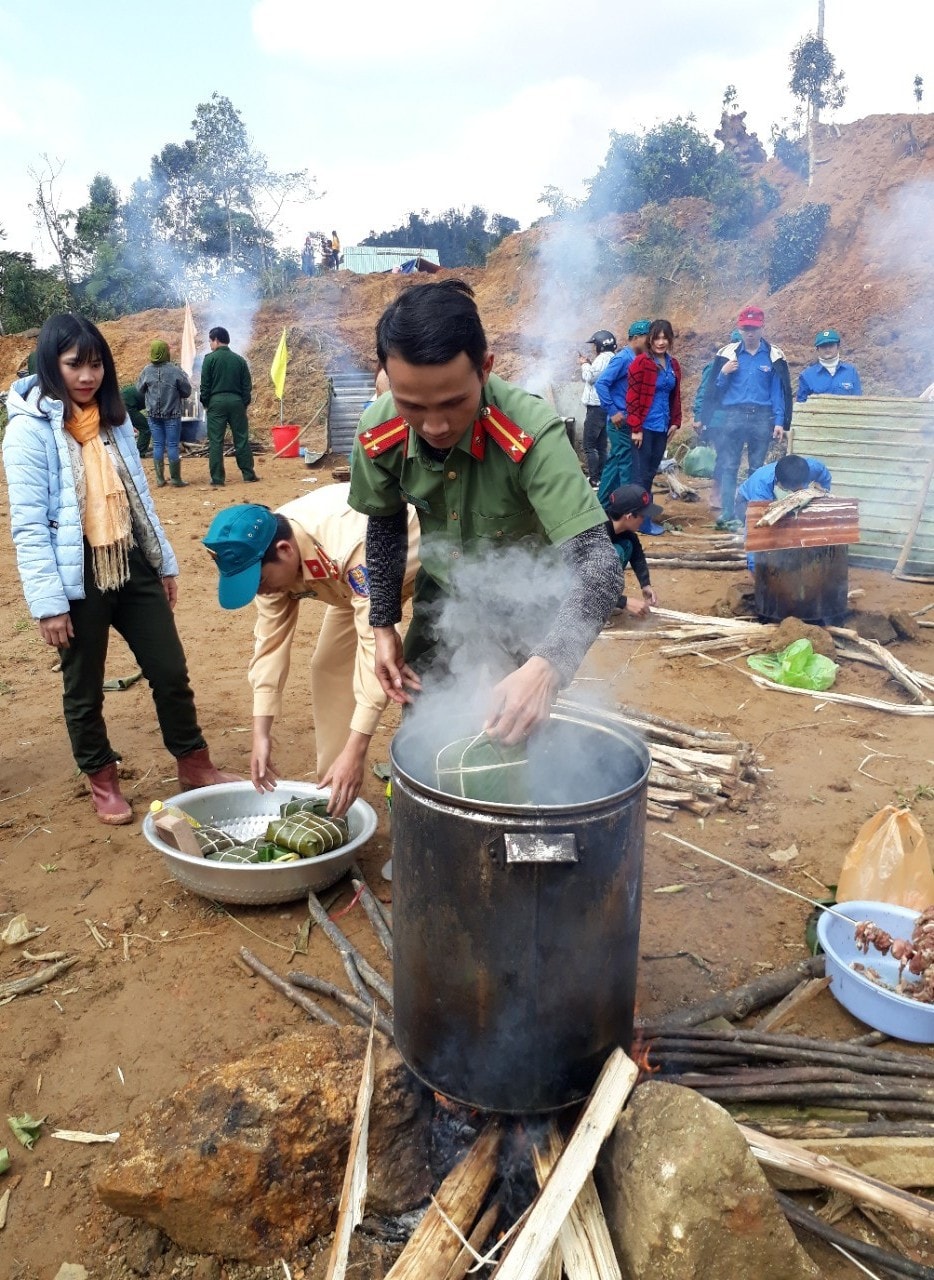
[[59, 334], [661, 328], [219, 334], [283, 533], [432, 324], [792, 471]]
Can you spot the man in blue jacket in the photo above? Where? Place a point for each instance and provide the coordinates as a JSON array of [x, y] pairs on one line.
[[610, 387], [772, 481], [750, 383], [829, 375]]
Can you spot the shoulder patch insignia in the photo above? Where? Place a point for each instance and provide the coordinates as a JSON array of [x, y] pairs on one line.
[[358, 579], [377, 440], [513, 441]]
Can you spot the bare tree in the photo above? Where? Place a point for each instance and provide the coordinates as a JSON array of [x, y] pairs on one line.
[[54, 220]]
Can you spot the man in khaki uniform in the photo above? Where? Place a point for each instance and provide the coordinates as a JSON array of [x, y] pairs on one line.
[[485, 464], [310, 549]]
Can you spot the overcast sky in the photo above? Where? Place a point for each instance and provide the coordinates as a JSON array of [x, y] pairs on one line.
[[415, 105]]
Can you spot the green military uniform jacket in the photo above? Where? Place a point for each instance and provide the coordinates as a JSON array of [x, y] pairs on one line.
[[512, 476], [225, 373], [135, 405]]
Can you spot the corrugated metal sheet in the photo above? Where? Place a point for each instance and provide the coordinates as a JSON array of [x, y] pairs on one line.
[[365, 258], [878, 451], [825, 522]]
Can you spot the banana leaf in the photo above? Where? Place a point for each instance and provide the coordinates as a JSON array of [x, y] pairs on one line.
[[212, 842], [319, 804]]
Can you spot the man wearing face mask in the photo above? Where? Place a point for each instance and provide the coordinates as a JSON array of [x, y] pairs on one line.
[[829, 375]]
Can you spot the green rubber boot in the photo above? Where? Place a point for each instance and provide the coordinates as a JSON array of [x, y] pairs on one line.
[[175, 472], [159, 467]]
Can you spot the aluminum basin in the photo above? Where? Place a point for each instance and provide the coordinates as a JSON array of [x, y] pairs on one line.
[[243, 812]]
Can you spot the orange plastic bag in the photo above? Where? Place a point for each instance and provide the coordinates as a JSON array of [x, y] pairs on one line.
[[889, 862]]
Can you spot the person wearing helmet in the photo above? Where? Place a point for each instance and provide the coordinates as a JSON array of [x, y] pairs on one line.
[[595, 441], [829, 375]]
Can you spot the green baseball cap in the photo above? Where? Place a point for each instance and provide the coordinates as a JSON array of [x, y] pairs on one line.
[[639, 328], [825, 337], [238, 539]]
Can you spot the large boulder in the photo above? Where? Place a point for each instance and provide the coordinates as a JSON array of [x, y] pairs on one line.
[[247, 1161], [684, 1197]]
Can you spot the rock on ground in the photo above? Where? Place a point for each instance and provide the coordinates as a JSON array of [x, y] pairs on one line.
[[247, 1161], [685, 1198], [792, 629]]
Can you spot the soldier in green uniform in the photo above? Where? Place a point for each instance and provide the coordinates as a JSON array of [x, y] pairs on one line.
[[485, 464], [226, 391]]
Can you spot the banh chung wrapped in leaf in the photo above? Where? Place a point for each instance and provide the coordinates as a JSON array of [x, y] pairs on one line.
[[308, 834], [479, 768], [217, 846]]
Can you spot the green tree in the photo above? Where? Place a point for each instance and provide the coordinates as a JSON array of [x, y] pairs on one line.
[[918, 85], [27, 293], [816, 83], [463, 239]]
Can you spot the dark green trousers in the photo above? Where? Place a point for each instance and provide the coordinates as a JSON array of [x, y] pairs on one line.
[[138, 611], [226, 410]]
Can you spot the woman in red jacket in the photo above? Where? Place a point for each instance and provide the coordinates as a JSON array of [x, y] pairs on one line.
[[653, 405]]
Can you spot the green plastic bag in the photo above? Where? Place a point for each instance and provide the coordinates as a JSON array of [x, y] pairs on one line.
[[798, 666], [699, 462]]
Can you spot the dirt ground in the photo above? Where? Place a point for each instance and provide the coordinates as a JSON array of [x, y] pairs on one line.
[[125, 1027]]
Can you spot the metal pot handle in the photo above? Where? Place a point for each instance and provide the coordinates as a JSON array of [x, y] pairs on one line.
[[526, 846]]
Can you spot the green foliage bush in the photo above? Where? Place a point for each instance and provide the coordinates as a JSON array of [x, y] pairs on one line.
[[662, 247], [796, 242], [739, 205], [789, 151]]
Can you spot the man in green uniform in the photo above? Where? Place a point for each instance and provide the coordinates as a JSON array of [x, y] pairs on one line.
[[135, 405], [485, 464], [226, 391]]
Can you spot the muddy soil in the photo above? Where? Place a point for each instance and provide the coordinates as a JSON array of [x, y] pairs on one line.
[[164, 998]]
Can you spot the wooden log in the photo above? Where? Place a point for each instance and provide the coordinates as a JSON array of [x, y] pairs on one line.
[[362, 1011], [659, 811], [807, 1083], [897, 670], [740, 1002], [20, 986], [584, 1239], [353, 1191], [894, 1263], [531, 1245], [774, 1153], [807, 1131], [847, 699], [356, 966], [834, 1052], [373, 910], [433, 1247], [279, 984], [465, 1260], [904, 1162], [674, 562]]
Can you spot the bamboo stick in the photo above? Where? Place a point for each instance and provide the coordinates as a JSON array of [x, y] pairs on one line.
[[893, 1262], [433, 1247], [279, 984], [788, 1156], [362, 1011], [353, 1191], [531, 1245]]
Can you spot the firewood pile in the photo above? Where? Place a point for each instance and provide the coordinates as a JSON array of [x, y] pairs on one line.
[[697, 770]]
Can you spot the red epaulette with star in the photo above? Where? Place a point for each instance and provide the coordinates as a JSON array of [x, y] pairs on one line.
[[513, 441], [377, 440]]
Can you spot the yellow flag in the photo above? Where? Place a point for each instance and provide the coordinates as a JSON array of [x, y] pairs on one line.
[[278, 367]]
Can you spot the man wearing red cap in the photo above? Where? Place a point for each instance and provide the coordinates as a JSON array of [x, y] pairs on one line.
[[751, 386]]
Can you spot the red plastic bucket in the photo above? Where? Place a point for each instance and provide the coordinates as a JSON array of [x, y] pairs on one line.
[[285, 440]]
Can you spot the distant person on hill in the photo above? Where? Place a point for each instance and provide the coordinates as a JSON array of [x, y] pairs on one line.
[[610, 387], [164, 386], [335, 247], [829, 375], [226, 392], [653, 407], [595, 442], [751, 384], [308, 256], [135, 406]]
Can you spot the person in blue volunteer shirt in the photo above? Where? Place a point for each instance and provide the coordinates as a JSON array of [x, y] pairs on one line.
[[750, 383], [611, 388], [829, 375], [772, 481]]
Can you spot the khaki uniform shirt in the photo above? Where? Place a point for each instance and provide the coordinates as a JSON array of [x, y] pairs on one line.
[[512, 475], [331, 541]]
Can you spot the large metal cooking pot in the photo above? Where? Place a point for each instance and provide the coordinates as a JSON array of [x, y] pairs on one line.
[[516, 927]]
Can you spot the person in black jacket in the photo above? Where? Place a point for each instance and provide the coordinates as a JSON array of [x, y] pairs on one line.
[[627, 507], [751, 386]]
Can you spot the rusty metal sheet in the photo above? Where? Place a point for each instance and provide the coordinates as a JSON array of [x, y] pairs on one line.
[[826, 522]]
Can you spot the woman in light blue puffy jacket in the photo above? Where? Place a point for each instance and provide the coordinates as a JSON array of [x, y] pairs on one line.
[[92, 553]]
